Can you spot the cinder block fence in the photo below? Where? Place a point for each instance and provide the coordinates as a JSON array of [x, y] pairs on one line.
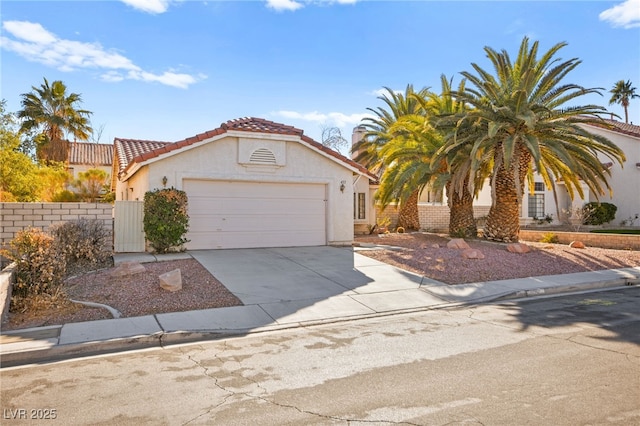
[[15, 217]]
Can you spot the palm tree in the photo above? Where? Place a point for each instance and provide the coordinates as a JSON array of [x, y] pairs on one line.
[[367, 150], [622, 93], [53, 113], [519, 117]]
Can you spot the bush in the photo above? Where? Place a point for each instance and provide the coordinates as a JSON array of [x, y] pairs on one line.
[[38, 269], [82, 240], [549, 238], [599, 213], [65, 196], [165, 218]]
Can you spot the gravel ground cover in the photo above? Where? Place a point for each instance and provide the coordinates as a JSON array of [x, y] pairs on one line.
[[133, 295], [417, 252]]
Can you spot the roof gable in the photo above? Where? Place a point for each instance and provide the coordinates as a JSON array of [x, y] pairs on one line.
[[131, 152]]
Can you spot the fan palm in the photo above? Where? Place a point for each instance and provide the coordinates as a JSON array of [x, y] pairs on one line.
[[520, 118], [53, 113], [367, 150], [622, 93]]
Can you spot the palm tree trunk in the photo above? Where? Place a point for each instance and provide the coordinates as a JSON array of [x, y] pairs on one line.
[[503, 221], [408, 217], [461, 220]]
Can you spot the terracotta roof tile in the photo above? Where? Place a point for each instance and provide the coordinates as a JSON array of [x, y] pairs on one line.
[[620, 127], [128, 149], [136, 151], [90, 153]]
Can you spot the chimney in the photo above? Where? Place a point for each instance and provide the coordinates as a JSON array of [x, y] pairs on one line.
[[356, 136]]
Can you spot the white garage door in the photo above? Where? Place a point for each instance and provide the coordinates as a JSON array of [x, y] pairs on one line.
[[224, 214]]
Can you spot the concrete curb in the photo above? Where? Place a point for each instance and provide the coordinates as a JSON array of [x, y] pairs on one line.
[[166, 339]]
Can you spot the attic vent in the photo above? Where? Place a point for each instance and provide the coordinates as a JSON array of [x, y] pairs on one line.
[[262, 156]]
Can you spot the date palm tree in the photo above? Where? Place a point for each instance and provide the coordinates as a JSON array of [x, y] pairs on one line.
[[54, 114], [524, 118], [367, 150], [622, 93]]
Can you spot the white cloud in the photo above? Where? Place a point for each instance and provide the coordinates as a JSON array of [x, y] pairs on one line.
[[625, 15], [291, 5], [149, 6], [337, 119], [280, 5], [385, 92], [36, 44]]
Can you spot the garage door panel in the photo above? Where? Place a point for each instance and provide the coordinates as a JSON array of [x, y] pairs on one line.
[[248, 214]]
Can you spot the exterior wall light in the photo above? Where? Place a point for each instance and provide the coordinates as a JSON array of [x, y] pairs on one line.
[[164, 181], [343, 185]]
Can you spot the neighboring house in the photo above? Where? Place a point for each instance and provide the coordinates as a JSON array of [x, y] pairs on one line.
[[84, 156], [624, 181], [251, 183]]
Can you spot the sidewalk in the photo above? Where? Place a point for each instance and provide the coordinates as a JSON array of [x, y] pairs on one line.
[[343, 285]]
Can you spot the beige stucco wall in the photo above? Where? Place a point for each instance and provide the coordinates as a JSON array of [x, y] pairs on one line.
[[625, 181], [226, 159], [76, 169]]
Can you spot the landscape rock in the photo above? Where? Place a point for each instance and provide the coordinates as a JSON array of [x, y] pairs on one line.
[[577, 244], [518, 248], [126, 269], [458, 243], [171, 280], [423, 246], [472, 254], [436, 246]]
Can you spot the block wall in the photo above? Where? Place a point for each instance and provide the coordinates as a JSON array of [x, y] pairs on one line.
[[15, 217]]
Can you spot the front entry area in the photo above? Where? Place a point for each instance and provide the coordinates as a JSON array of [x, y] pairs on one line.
[[238, 214]]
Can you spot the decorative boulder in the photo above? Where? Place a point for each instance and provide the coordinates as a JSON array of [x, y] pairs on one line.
[[436, 246], [171, 280], [472, 254], [518, 248], [577, 244], [458, 243], [126, 269]]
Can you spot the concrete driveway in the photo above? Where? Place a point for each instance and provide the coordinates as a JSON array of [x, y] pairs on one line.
[[309, 283]]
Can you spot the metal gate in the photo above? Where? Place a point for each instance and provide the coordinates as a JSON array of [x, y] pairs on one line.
[[128, 228]]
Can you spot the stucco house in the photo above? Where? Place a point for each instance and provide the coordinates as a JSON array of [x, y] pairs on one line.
[[251, 183], [624, 181]]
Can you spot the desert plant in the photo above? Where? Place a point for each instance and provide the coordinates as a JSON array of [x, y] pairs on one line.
[[165, 218], [577, 216], [400, 230], [38, 269], [601, 213], [549, 238], [82, 240], [630, 221]]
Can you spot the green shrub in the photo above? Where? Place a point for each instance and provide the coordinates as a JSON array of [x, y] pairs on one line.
[[549, 238], [599, 213], [38, 269], [165, 218], [65, 196], [82, 240]]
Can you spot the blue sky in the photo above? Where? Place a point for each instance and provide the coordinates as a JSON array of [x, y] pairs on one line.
[[167, 70]]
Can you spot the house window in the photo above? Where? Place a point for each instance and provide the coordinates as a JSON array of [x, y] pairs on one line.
[[536, 201], [359, 205]]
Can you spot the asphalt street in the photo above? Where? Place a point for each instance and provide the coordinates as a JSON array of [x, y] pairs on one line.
[[566, 360]]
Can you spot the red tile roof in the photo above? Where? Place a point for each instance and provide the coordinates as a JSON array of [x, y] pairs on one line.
[[95, 154], [136, 151], [128, 149], [620, 127]]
